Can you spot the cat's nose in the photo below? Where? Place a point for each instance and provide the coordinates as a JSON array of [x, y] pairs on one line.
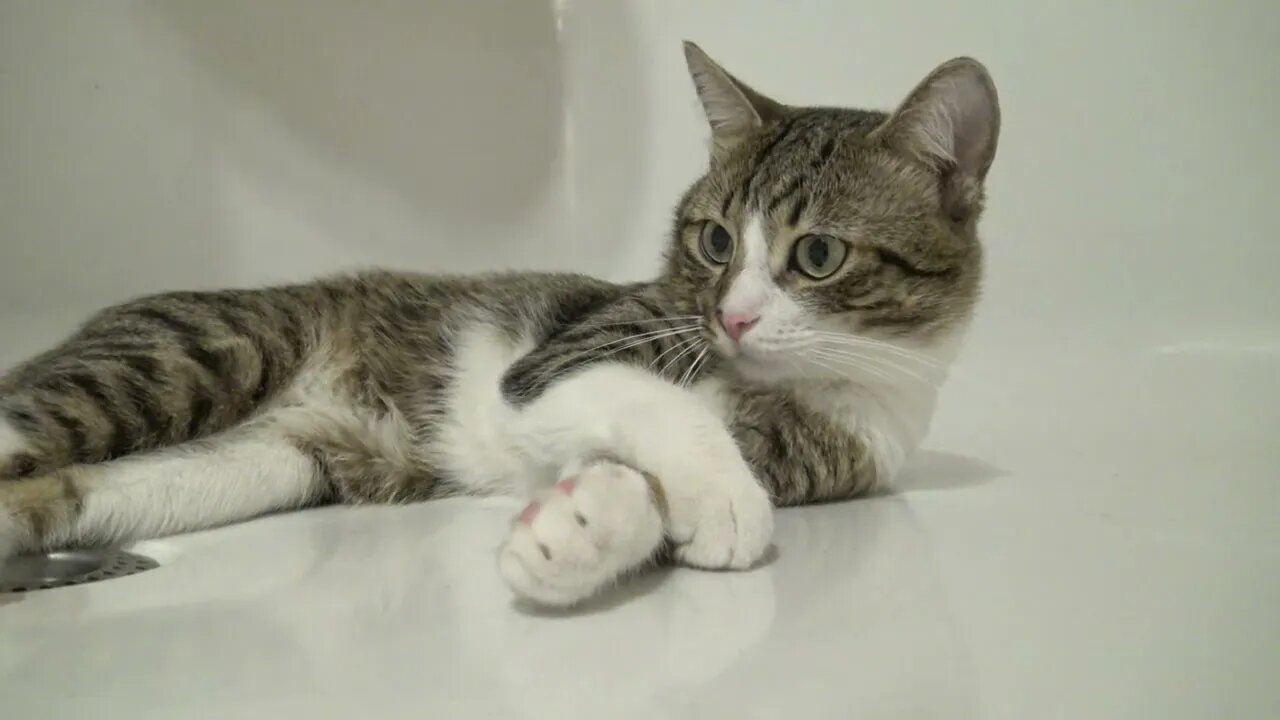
[[737, 324]]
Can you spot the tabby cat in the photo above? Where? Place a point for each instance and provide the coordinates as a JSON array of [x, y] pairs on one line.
[[818, 280]]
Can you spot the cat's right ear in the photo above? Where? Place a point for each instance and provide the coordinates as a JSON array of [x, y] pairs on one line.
[[733, 109]]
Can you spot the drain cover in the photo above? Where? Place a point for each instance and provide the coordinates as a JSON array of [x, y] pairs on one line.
[[69, 567]]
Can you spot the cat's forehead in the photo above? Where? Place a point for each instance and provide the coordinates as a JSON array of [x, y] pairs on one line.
[[812, 170], [806, 154]]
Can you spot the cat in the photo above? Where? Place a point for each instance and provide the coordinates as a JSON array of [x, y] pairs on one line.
[[819, 278]]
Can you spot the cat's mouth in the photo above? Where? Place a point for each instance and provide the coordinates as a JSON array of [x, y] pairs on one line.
[[754, 361]]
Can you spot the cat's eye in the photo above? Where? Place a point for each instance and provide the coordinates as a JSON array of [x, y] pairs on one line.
[[716, 243], [818, 256]]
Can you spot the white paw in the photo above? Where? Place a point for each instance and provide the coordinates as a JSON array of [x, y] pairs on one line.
[[597, 523], [722, 520]]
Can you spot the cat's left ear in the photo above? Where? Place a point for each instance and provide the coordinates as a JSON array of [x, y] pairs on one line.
[[951, 122], [733, 109]]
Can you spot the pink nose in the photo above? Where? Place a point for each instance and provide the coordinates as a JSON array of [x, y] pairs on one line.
[[737, 324]]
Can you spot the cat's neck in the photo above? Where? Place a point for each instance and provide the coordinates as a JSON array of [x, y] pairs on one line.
[[891, 419]]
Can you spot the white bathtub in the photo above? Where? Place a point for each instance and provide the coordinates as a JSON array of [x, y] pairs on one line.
[[1091, 531]]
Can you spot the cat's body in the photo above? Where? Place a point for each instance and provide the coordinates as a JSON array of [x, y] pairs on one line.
[[636, 415]]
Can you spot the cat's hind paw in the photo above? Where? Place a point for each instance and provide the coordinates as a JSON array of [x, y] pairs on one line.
[[594, 525]]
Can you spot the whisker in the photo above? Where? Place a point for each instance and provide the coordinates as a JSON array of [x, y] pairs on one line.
[[917, 359], [842, 367], [641, 339], [873, 370], [683, 343], [648, 335], [857, 340], [689, 374], [702, 367], [672, 361], [631, 341], [869, 355], [882, 363], [829, 368], [692, 372], [642, 321], [872, 352], [706, 360]]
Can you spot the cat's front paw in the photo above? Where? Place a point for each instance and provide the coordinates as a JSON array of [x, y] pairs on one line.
[[597, 523], [721, 520]]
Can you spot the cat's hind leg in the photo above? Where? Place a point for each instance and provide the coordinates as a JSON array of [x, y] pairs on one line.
[[235, 475], [600, 521]]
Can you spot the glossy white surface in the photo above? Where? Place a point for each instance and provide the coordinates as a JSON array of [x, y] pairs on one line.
[[1091, 532]]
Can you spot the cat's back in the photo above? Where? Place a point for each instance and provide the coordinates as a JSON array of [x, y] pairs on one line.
[[425, 296], [410, 328], [520, 300]]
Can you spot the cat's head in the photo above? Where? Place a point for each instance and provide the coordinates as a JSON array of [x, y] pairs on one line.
[[817, 235]]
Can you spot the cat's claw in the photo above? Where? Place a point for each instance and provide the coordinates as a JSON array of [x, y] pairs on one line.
[[597, 523]]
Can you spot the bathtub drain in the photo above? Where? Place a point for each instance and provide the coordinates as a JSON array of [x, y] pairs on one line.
[[70, 567]]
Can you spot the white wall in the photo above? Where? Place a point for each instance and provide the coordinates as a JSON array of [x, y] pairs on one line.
[[171, 143]]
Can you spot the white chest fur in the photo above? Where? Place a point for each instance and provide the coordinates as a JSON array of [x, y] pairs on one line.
[[890, 420]]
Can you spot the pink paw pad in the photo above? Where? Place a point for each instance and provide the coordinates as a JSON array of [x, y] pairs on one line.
[[566, 486], [529, 512]]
